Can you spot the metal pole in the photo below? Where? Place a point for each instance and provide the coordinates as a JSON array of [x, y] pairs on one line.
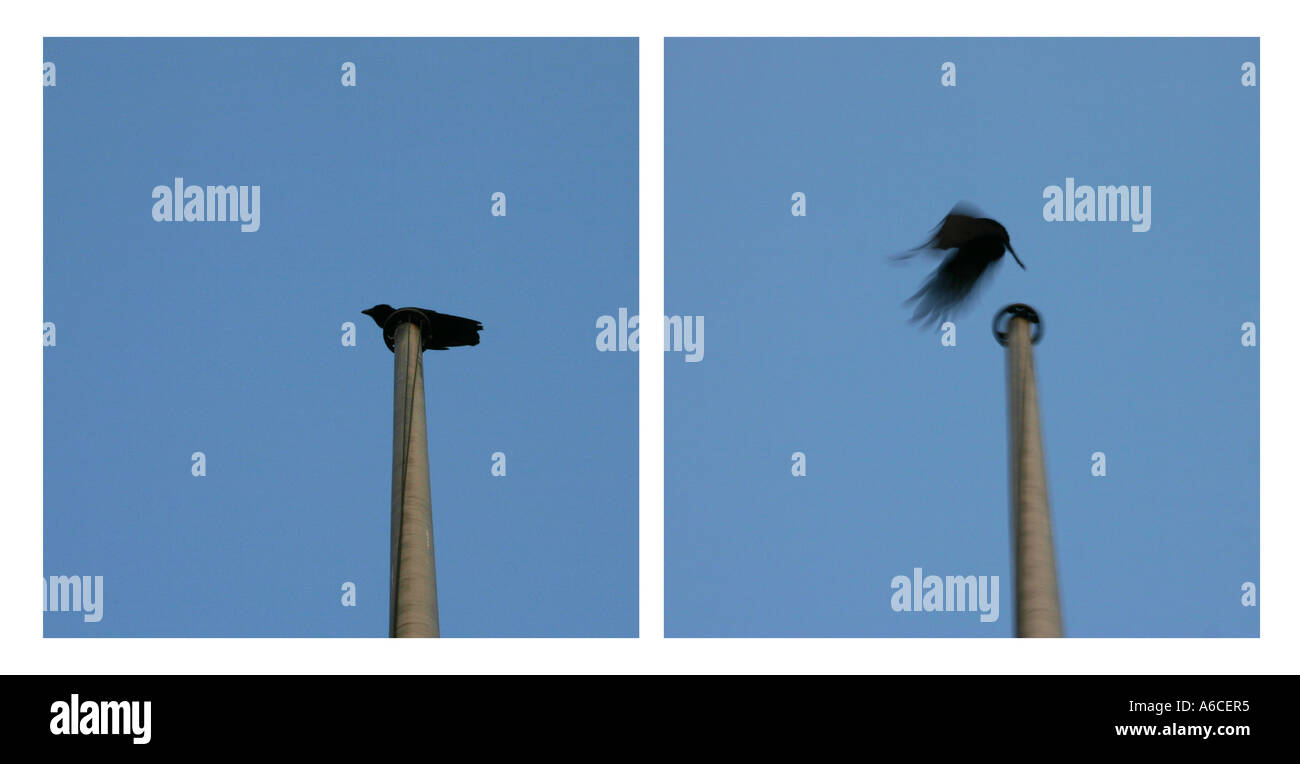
[[1038, 604], [413, 589]]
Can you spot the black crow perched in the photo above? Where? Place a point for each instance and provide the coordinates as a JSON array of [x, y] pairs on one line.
[[979, 242], [443, 331]]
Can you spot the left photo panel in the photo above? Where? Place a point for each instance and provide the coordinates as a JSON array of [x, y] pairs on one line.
[[327, 337]]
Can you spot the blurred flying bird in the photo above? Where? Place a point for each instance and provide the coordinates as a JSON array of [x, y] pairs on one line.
[[979, 242], [443, 331]]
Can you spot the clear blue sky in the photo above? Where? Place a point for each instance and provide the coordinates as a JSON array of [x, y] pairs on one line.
[[808, 348], [183, 337]]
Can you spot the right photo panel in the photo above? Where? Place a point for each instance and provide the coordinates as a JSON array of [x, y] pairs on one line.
[[982, 351]]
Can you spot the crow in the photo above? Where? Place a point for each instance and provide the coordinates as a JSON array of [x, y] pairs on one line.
[[443, 331], [979, 242]]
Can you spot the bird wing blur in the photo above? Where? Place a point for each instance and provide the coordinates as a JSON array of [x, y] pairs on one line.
[[978, 243], [962, 224], [959, 228], [945, 290]]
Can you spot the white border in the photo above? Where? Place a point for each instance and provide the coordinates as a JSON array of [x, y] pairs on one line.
[[652, 336], [22, 650]]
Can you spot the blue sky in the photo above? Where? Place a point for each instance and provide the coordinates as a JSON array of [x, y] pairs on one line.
[[181, 337], [808, 348]]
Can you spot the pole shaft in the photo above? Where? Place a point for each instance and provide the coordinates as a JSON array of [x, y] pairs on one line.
[[413, 590], [1038, 604]]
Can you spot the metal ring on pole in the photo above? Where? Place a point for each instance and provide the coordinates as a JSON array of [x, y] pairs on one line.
[[1017, 310], [407, 316]]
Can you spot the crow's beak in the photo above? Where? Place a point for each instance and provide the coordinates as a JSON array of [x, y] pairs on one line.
[[1013, 254]]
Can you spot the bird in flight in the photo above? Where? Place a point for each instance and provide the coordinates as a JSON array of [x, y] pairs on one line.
[[442, 332], [978, 243]]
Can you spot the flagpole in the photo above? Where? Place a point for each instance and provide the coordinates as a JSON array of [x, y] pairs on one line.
[[1038, 604]]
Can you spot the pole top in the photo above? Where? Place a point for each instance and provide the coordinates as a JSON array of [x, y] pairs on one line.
[[1017, 310], [405, 316]]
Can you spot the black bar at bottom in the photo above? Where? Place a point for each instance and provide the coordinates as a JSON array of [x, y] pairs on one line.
[[243, 713]]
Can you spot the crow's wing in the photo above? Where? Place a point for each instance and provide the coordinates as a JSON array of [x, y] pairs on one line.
[[945, 290], [963, 224], [449, 330], [453, 323], [959, 226]]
